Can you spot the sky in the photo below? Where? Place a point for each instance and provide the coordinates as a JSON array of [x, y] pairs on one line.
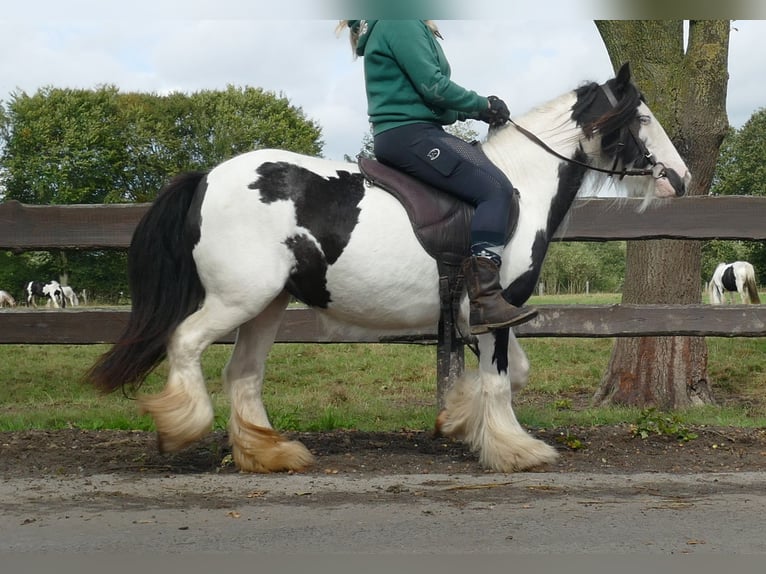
[[524, 61]]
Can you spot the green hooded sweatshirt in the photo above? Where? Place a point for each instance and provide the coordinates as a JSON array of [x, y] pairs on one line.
[[407, 77]]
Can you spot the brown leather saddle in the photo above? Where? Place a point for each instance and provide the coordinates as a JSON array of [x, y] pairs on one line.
[[442, 222]]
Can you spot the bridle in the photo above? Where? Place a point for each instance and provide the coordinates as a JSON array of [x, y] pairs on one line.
[[657, 169]]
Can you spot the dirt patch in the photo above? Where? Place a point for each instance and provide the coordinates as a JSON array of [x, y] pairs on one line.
[[604, 449]]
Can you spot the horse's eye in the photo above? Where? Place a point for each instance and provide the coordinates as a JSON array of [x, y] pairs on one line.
[[644, 120]]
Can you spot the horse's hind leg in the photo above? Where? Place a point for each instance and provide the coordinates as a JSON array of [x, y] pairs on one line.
[[256, 447], [182, 411]]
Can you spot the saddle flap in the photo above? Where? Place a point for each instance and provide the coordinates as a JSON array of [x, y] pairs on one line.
[[442, 222]]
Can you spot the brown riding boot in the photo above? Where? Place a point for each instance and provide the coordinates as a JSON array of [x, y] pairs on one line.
[[489, 309]]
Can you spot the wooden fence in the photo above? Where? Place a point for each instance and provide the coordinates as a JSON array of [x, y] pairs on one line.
[[27, 227]]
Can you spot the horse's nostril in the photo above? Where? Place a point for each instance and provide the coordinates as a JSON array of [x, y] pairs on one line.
[[679, 183]]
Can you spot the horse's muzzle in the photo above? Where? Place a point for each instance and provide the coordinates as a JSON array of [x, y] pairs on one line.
[[679, 184]]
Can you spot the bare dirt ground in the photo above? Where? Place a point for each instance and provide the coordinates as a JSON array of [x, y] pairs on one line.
[[605, 449], [77, 491]]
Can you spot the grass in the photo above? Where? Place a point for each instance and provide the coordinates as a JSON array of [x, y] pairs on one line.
[[371, 386]]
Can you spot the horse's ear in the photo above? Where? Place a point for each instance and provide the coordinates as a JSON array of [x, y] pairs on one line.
[[623, 75]]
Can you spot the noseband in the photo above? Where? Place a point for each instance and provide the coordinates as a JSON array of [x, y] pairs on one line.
[[657, 169]]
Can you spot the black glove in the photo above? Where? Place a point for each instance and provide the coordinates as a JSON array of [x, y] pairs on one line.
[[497, 113]]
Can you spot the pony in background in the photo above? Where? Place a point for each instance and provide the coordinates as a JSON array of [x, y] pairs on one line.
[[226, 250], [50, 290], [6, 300], [69, 295], [734, 277]]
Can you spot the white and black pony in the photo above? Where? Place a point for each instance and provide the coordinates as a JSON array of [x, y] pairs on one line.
[[227, 249], [737, 277], [69, 296], [50, 290]]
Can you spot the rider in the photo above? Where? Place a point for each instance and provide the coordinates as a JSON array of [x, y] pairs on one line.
[[409, 98]]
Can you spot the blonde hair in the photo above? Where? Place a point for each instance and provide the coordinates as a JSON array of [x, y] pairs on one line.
[[353, 33]]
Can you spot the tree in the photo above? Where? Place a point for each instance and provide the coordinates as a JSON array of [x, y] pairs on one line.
[[64, 146], [687, 92], [741, 170], [571, 266]]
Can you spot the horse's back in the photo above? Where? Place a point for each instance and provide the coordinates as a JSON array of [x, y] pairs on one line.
[[245, 163]]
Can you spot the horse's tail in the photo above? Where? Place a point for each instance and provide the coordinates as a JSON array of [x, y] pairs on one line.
[[751, 286], [715, 296], [164, 287]]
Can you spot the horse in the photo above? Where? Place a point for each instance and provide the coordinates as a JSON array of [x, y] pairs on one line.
[[226, 250], [738, 276], [50, 290], [6, 299], [69, 295]]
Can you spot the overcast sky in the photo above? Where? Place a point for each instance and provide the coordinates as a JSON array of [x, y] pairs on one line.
[[525, 62]]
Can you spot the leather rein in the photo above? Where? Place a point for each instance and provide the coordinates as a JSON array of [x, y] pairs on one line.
[[657, 169]]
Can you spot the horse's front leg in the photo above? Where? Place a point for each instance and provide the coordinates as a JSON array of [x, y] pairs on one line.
[[479, 411], [256, 446], [518, 364]]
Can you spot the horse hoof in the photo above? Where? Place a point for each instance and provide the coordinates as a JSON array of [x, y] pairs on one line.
[[441, 419], [284, 456]]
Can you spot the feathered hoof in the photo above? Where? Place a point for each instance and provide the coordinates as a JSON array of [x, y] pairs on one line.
[[285, 456], [525, 454], [444, 426], [168, 443], [179, 422], [261, 449]]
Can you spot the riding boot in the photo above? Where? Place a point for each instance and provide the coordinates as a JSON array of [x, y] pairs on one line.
[[489, 309]]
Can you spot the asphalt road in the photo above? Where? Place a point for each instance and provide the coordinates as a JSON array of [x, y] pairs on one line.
[[528, 513]]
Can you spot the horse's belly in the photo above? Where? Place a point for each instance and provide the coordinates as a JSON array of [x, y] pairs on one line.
[[386, 293]]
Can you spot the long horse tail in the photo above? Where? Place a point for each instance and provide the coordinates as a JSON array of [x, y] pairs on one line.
[[164, 287], [751, 286], [715, 295]]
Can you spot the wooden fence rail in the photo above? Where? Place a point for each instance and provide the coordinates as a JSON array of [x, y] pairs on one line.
[[82, 326], [35, 227]]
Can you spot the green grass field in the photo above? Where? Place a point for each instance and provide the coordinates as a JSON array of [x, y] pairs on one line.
[[371, 386]]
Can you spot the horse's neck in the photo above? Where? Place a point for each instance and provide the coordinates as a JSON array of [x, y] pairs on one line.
[[527, 164], [535, 172]]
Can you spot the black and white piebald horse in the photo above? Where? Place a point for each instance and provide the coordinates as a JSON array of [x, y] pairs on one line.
[[50, 290], [225, 250], [737, 277]]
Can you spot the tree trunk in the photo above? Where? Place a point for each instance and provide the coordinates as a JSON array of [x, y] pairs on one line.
[[687, 93]]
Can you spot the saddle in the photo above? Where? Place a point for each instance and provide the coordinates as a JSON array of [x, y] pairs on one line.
[[442, 222]]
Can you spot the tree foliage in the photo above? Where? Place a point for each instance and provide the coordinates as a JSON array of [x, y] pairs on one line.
[[741, 170], [741, 166], [66, 146], [570, 267]]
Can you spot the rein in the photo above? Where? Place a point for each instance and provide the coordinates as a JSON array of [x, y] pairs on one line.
[[657, 169]]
